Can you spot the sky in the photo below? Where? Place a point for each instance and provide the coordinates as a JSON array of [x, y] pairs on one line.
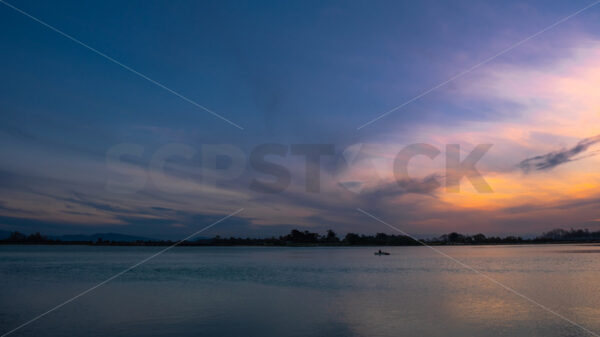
[[119, 138]]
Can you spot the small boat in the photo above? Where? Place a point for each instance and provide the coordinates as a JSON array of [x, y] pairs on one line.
[[379, 253]]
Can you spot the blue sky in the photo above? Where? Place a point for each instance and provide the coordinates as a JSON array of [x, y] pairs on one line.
[[292, 72]]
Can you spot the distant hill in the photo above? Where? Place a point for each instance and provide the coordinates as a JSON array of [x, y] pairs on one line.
[[104, 236]]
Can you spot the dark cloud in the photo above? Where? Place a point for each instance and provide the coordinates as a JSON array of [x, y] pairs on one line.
[[82, 200], [380, 195], [7, 209], [563, 205], [550, 160], [427, 185], [160, 228]]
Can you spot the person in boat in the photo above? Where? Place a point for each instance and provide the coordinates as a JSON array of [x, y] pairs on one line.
[[379, 252]]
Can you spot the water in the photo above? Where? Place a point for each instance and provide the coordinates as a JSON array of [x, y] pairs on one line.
[[242, 291]]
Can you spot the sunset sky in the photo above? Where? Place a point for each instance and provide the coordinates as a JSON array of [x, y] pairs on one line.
[[299, 73]]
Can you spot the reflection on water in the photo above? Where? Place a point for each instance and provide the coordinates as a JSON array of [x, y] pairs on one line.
[[235, 291]]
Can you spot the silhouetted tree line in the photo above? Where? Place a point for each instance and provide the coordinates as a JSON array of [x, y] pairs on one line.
[[573, 235], [20, 237], [477, 239], [330, 238]]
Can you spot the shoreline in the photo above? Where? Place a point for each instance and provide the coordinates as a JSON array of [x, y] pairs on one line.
[[191, 244]]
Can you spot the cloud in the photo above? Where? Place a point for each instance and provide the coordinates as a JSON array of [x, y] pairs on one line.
[[388, 191], [560, 205], [553, 159]]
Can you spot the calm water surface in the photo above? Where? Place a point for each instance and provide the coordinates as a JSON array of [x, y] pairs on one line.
[[240, 291]]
